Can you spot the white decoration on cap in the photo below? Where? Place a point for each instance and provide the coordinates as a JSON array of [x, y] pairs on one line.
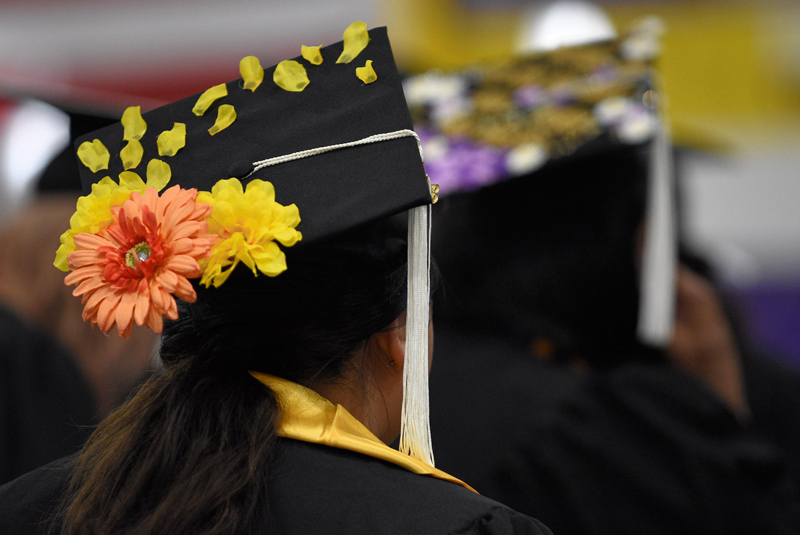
[[612, 110], [641, 47], [637, 125], [433, 87], [644, 42], [525, 159], [435, 148]]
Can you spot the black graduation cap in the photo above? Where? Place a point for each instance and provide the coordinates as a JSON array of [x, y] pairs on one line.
[[336, 190], [341, 148], [515, 119]]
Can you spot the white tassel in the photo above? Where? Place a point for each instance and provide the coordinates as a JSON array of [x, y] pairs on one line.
[[659, 255], [415, 428]]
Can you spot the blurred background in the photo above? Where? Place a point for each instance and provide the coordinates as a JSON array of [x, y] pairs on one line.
[[731, 71]]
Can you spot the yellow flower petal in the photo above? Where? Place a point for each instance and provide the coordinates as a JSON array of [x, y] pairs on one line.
[[273, 262], [132, 181], [260, 189], [132, 154], [208, 97], [205, 197], [311, 54], [134, 125], [66, 247], [290, 76], [158, 174], [366, 73], [251, 71], [171, 141], [225, 117], [94, 155], [292, 216], [355, 40]]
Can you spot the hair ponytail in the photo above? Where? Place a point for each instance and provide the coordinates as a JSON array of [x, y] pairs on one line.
[[189, 453]]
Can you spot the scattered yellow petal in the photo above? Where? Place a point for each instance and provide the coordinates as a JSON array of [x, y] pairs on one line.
[[355, 40], [132, 181], [94, 155], [208, 97], [158, 174], [225, 117], [290, 76], [311, 54], [366, 73], [251, 71], [132, 154], [132, 122], [171, 141]]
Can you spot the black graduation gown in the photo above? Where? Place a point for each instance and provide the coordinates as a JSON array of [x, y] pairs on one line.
[[773, 393], [642, 449], [45, 402], [315, 489]]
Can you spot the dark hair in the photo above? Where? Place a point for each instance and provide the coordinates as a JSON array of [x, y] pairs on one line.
[[550, 255], [191, 451]]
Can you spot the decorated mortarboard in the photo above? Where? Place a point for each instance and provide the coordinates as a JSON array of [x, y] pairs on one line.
[[494, 122], [281, 158]]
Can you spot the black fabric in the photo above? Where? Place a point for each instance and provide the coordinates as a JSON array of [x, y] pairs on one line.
[[316, 489], [773, 394], [45, 402], [334, 191], [550, 255], [640, 449]]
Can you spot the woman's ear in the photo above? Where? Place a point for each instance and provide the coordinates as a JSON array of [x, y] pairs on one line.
[[389, 347]]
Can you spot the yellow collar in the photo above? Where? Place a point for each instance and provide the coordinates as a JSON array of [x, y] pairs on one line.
[[307, 416]]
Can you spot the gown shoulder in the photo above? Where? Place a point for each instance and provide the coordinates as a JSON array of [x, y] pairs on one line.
[[29, 504], [313, 489], [322, 490]]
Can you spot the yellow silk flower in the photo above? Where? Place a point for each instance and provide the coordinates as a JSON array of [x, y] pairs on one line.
[[248, 223], [93, 211]]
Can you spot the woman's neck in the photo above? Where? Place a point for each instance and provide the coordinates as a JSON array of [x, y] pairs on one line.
[[367, 404]]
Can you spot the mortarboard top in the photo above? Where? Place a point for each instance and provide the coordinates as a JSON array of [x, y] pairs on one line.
[[334, 191], [493, 122]]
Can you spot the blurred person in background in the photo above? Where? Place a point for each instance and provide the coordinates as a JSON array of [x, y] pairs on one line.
[[548, 400], [60, 375], [771, 387], [291, 360]]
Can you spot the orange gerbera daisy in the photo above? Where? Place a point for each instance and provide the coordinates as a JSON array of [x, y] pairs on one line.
[[129, 271]]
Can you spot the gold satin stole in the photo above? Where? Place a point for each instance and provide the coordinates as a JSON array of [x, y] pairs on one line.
[[309, 417]]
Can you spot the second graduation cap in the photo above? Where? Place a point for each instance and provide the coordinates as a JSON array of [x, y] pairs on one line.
[[495, 122]]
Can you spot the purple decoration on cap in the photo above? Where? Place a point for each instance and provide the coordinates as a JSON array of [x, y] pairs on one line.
[[467, 166], [563, 96], [604, 74], [530, 96]]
